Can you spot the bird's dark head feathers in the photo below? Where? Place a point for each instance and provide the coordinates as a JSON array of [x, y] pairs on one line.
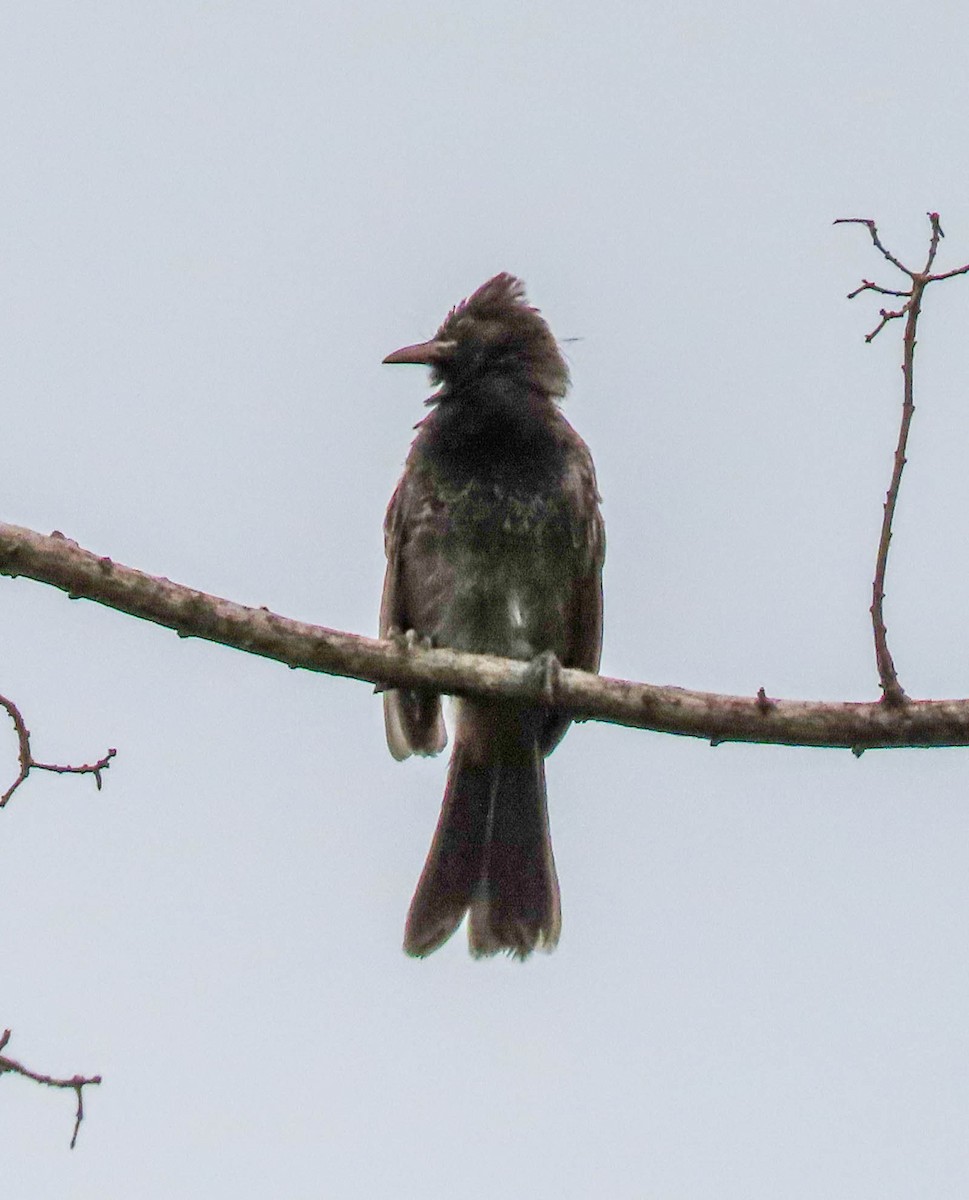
[[494, 333]]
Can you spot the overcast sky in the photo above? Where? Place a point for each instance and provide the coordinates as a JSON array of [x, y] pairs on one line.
[[216, 220]]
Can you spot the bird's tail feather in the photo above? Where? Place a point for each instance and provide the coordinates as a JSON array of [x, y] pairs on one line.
[[492, 852]]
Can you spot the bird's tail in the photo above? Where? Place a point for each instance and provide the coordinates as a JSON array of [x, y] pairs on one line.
[[492, 852]]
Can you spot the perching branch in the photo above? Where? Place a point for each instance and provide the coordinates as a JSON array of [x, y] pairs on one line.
[[893, 721], [76, 1082], [28, 763], [58, 561], [892, 691]]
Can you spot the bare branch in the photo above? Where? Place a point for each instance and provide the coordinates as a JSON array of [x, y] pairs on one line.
[[873, 230], [62, 563], [950, 274], [886, 314], [892, 691], [77, 1082], [28, 763], [937, 236], [868, 286]]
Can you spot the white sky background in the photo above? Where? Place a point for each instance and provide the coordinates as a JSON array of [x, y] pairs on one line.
[[216, 219]]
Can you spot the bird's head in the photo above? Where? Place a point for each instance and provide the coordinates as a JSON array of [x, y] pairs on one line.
[[494, 334]]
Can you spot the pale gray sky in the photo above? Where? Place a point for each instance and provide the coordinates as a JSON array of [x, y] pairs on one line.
[[216, 220]]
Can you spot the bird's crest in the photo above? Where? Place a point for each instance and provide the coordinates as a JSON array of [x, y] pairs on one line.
[[498, 317]]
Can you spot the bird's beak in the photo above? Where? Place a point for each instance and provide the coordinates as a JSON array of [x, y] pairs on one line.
[[426, 354]]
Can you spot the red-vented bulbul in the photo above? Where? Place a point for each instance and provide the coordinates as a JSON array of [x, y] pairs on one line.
[[494, 545]]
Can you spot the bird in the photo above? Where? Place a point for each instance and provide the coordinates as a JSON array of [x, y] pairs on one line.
[[495, 544]]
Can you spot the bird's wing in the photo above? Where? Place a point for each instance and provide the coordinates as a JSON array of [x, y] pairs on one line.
[[583, 615], [413, 720], [584, 622], [391, 617]]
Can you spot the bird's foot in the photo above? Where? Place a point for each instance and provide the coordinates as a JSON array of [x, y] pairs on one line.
[[408, 639], [404, 641], [542, 675]]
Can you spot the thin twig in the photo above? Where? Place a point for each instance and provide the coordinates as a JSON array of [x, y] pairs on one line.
[[892, 691], [868, 286], [950, 274], [28, 763], [937, 236], [872, 229], [77, 1082], [886, 314]]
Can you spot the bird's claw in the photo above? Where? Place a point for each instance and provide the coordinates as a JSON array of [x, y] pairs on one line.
[[404, 641], [542, 674]]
